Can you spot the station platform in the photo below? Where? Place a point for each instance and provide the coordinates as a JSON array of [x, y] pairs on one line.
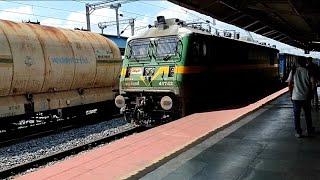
[[264, 147], [253, 142]]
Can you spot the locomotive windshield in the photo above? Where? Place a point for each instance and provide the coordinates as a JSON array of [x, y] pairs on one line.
[[162, 48], [138, 49], [166, 46]]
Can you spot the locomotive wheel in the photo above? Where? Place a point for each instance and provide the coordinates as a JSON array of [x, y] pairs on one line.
[[128, 117]]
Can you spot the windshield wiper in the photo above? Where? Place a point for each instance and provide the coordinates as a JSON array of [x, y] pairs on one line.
[[167, 57], [135, 58]]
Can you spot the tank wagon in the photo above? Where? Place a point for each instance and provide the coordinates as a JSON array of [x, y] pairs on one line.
[[54, 71], [175, 68]]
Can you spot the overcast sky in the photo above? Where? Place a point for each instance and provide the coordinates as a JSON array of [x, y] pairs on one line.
[[71, 14]]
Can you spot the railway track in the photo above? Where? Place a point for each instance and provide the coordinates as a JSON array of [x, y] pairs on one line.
[[20, 168], [44, 130]]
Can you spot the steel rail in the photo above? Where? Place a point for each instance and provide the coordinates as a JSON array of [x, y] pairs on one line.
[[45, 130]]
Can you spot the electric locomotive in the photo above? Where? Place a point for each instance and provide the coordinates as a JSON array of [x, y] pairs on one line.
[[174, 69]]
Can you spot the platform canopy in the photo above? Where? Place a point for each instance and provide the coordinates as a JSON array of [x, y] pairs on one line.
[[294, 22]]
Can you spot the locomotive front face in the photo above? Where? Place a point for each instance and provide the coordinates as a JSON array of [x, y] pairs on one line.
[[149, 83], [151, 63]]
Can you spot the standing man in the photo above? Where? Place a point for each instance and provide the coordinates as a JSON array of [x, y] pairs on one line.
[[314, 72], [301, 83]]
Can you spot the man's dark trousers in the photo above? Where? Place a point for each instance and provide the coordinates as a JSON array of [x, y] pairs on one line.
[[306, 106]]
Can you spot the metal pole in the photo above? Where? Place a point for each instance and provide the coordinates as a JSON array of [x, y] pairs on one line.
[[131, 22], [116, 7], [117, 20], [88, 17]]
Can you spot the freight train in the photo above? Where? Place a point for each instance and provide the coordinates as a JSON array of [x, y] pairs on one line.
[[174, 69], [55, 72]]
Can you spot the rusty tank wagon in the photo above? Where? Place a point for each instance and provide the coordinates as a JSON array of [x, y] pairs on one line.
[[54, 71]]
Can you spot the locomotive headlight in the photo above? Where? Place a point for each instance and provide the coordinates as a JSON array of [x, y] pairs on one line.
[[120, 101], [171, 71], [166, 102]]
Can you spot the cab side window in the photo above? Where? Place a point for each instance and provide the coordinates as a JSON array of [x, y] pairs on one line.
[[199, 51], [196, 52], [196, 49]]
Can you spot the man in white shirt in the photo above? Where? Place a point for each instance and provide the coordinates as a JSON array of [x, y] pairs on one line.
[[301, 84]]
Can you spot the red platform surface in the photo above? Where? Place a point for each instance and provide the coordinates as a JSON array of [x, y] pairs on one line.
[[133, 154]]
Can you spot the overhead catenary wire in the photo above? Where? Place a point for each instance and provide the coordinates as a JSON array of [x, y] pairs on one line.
[[185, 11], [216, 29], [130, 12], [155, 5], [31, 14], [79, 1], [70, 20], [140, 28], [57, 9], [51, 17], [182, 11]]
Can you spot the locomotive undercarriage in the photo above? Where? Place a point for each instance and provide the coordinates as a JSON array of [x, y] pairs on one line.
[[150, 108]]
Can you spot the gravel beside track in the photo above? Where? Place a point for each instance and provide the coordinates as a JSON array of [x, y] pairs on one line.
[[37, 148]]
